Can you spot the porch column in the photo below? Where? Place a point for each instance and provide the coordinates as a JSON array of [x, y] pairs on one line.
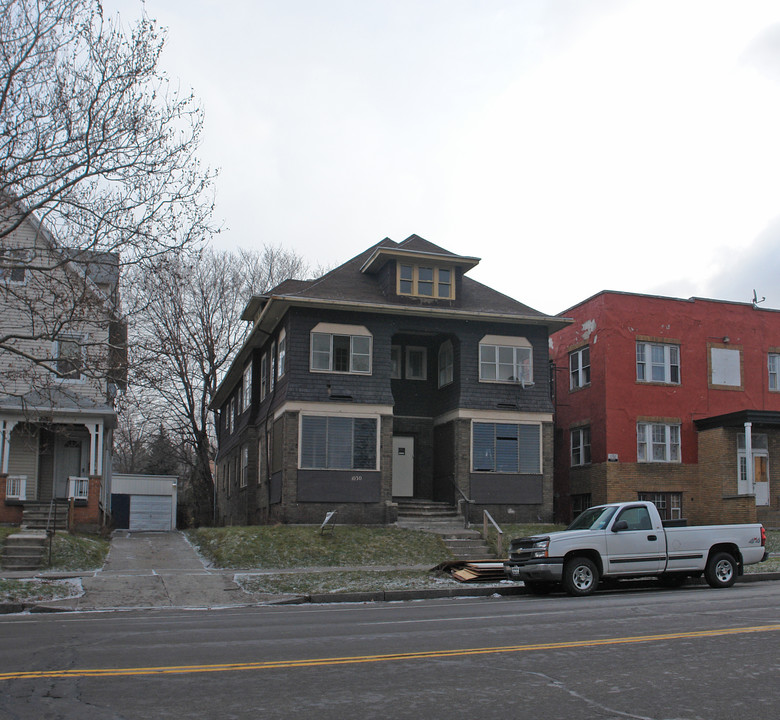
[[749, 467], [95, 448], [6, 425]]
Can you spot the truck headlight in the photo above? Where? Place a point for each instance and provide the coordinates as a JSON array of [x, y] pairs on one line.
[[539, 549]]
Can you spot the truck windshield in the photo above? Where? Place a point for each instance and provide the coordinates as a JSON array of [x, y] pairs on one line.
[[595, 518]]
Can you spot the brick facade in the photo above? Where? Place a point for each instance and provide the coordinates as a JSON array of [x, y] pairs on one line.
[[719, 383]]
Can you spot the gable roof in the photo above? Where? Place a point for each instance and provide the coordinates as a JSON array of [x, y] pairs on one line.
[[353, 286], [354, 282]]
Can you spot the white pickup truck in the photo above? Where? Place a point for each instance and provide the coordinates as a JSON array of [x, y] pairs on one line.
[[629, 540]]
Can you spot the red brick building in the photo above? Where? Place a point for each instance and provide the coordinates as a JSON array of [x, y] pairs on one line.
[[665, 399]]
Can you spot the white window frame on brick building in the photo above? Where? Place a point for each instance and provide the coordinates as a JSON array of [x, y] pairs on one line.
[[657, 362], [773, 364], [580, 446], [579, 368], [658, 442], [326, 441]]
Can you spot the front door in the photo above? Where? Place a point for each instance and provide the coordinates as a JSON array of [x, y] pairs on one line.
[[403, 466], [761, 479], [70, 459]]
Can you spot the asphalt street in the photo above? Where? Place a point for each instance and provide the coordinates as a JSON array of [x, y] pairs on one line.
[[690, 653]]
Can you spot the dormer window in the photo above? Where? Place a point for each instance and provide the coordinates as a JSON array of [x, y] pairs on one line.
[[425, 281]]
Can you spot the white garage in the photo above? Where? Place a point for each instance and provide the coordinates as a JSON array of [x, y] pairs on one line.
[[144, 502]]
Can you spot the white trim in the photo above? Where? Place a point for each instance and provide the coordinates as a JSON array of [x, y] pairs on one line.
[[506, 341], [525, 418], [336, 329], [351, 409]]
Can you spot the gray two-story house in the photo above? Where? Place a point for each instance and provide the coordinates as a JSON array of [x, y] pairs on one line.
[[394, 376]]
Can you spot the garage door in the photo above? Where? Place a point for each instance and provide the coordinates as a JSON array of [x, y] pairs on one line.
[[150, 512]]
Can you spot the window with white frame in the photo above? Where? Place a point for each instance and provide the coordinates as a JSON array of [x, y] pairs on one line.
[[580, 446], [395, 362], [505, 359], [263, 376], [272, 367], [416, 363], [425, 281], [669, 504], [446, 363], [579, 368], [657, 442], [244, 465], [248, 385], [69, 357], [774, 370], [282, 352], [658, 362], [338, 443], [340, 349], [512, 448]]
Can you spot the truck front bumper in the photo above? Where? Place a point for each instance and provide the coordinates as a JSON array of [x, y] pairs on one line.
[[541, 570]]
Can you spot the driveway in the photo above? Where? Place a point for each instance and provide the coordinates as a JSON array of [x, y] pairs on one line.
[[156, 570]]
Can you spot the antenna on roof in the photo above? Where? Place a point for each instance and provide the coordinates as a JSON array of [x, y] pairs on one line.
[[756, 301]]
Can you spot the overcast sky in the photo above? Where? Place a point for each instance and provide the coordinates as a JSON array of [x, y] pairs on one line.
[[574, 146]]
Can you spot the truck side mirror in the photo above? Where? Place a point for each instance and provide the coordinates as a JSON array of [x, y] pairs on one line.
[[620, 525]]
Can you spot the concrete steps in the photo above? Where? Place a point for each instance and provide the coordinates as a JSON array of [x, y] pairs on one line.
[[37, 514], [443, 519], [24, 550]]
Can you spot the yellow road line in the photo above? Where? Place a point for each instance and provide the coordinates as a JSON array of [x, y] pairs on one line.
[[429, 654]]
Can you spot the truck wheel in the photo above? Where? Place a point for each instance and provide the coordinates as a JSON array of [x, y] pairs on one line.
[[721, 570], [580, 576]]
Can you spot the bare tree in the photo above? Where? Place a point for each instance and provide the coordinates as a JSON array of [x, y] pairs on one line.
[[98, 170], [187, 328]]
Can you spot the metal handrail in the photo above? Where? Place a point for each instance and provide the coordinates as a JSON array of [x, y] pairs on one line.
[[465, 499], [486, 516]]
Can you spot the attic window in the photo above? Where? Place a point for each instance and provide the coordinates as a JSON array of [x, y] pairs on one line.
[[425, 281], [12, 264]]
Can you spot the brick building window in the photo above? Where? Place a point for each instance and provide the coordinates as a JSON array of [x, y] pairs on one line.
[[245, 466], [669, 504], [579, 503], [580, 446], [657, 442], [505, 448], [579, 368], [658, 363], [774, 371], [338, 443]]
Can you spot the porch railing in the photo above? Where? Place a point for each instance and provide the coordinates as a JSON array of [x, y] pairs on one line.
[[16, 487], [78, 488]]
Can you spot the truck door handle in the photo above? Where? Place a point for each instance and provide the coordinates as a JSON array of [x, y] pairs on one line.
[[652, 537]]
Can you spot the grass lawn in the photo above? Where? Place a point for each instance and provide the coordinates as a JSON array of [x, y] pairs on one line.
[[301, 546], [345, 581]]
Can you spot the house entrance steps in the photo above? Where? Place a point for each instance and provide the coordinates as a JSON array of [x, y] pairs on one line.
[[24, 550], [443, 519], [42, 515]]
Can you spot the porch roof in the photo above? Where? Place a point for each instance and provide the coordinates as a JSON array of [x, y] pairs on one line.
[[767, 418]]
